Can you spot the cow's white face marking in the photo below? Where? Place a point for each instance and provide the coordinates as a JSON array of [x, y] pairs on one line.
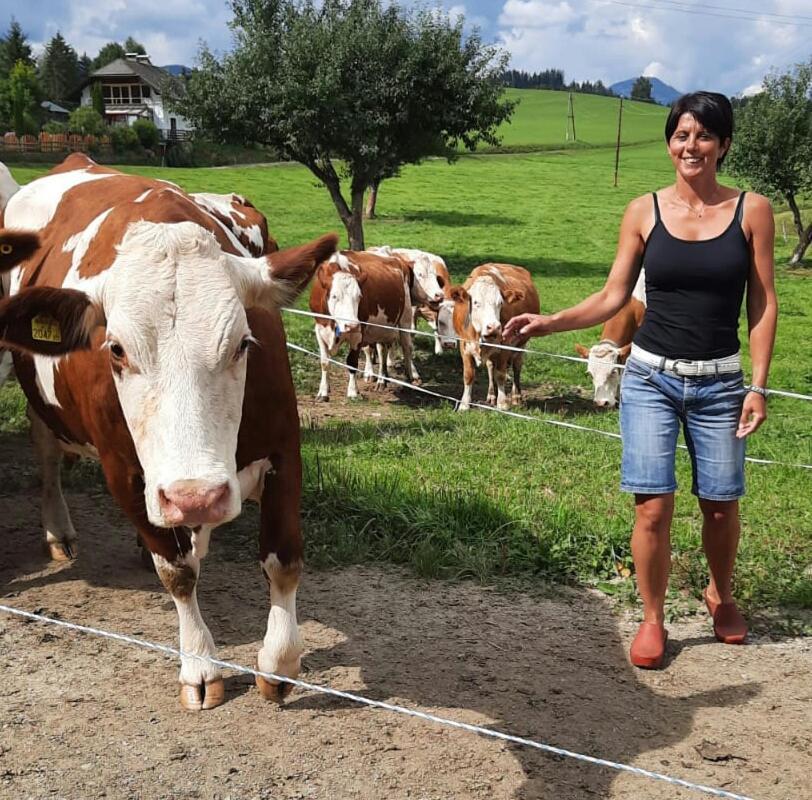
[[445, 325], [178, 335], [425, 279], [343, 301], [486, 307], [602, 366]]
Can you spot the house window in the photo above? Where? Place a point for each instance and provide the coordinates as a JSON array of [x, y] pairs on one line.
[[124, 94]]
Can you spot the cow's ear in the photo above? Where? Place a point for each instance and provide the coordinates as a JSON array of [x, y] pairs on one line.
[[15, 247], [459, 295], [48, 321], [582, 351], [277, 278], [623, 353], [513, 296]]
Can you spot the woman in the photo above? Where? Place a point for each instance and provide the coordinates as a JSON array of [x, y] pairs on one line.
[[701, 244]]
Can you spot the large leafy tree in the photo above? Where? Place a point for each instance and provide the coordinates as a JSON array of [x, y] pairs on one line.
[[772, 147], [109, 53], [133, 46], [20, 96], [352, 89], [14, 47], [641, 89], [59, 70]]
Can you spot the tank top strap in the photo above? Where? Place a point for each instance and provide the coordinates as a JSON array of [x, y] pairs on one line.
[[739, 216], [656, 209]]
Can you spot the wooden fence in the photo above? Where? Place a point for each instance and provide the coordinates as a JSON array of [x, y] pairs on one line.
[[54, 143]]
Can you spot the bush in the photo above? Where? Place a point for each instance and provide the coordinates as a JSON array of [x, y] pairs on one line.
[[180, 154], [55, 127], [147, 133], [86, 120], [124, 138]]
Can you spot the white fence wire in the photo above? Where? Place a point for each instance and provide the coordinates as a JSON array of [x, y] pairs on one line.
[[360, 699]]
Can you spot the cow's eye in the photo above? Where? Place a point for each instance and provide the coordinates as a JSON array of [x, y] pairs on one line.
[[243, 348], [117, 351]]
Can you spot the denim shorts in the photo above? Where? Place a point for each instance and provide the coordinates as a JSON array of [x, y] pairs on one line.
[[654, 403]]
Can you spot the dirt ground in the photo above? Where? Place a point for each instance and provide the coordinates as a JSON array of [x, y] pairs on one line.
[[82, 717]]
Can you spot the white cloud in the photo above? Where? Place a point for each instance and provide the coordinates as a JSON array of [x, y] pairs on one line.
[[754, 88], [592, 39]]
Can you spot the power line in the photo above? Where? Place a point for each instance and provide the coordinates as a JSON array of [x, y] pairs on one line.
[[694, 10], [757, 14]]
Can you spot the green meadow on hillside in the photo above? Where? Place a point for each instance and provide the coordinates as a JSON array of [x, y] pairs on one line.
[[540, 120], [481, 495]]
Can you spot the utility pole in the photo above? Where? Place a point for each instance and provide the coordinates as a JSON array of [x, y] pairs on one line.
[[571, 119], [617, 148]]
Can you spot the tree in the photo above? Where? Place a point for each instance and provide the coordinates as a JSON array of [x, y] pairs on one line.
[[352, 89], [132, 46], [97, 98], [86, 120], [110, 52], [14, 47], [20, 96], [772, 149], [85, 66], [641, 90], [59, 69]]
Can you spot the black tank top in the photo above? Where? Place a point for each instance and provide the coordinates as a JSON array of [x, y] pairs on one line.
[[694, 291]]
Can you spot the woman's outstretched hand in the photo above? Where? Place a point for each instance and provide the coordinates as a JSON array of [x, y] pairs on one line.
[[519, 329]]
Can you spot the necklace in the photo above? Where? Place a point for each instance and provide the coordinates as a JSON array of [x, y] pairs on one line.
[[697, 212]]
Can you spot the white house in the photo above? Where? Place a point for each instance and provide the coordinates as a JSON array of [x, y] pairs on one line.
[[132, 88]]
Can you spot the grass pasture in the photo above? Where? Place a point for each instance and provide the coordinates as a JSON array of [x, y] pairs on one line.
[[484, 496]]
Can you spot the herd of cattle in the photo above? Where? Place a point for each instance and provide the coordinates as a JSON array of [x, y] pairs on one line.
[[145, 332]]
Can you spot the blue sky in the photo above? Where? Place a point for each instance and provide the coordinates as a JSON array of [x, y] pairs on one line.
[[725, 47]]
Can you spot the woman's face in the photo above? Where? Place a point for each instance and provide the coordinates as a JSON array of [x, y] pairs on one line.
[[693, 149]]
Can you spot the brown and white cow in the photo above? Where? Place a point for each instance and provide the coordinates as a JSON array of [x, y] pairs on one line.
[[476, 314], [354, 287], [185, 395], [8, 187], [614, 346], [241, 217]]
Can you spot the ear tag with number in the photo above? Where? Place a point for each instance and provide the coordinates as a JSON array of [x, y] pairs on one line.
[[45, 329]]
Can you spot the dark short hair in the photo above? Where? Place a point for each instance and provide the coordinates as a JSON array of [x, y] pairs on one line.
[[711, 109]]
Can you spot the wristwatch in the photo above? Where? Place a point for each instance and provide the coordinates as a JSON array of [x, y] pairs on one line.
[[758, 390]]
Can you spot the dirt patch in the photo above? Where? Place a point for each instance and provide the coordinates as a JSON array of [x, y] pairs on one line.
[[82, 717]]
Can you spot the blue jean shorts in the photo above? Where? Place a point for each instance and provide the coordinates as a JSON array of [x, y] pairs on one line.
[[653, 406]]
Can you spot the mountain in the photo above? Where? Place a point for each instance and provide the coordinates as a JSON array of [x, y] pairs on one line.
[[177, 69], [661, 92]]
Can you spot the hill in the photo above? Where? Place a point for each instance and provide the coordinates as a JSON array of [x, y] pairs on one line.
[[661, 92], [177, 69], [540, 121]]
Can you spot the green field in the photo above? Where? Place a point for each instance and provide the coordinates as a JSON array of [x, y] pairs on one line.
[[540, 120], [484, 496]]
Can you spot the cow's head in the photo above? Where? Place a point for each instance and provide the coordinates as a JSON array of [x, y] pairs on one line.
[[602, 361], [342, 282], [177, 339], [486, 300], [426, 288]]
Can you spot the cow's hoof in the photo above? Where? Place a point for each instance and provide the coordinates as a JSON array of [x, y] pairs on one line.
[[322, 398], [516, 400], [463, 408], [416, 382], [491, 401], [202, 698], [275, 692], [63, 551]]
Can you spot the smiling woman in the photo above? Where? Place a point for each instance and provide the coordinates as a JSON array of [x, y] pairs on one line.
[[701, 244]]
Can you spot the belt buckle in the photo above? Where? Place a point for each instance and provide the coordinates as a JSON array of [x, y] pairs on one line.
[[675, 367]]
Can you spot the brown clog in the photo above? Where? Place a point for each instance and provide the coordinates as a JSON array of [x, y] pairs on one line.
[[729, 626], [648, 648]]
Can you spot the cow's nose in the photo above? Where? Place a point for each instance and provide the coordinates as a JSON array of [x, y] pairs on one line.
[[194, 502], [438, 297], [493, 329]]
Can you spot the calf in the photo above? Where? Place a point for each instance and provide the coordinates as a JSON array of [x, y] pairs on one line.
[[614, 346], [184, 395], [355, 287], [475, 315]]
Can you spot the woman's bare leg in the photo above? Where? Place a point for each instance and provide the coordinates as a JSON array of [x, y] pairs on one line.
[[651, 550]]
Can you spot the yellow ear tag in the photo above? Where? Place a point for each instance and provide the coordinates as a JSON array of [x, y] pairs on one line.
[[45, 329], [5, 249]]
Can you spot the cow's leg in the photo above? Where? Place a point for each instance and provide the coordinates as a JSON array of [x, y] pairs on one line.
[[500, 363], [6, 365], [352, 379], [177, 562], [369, 370], [407, 345], [468, 375], [383, 361], [516, 391], [280, 554], [324, 357], [491, 398], [60, 535]]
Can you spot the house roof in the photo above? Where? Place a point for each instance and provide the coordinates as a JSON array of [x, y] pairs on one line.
[[53, 108], [129, 68]]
